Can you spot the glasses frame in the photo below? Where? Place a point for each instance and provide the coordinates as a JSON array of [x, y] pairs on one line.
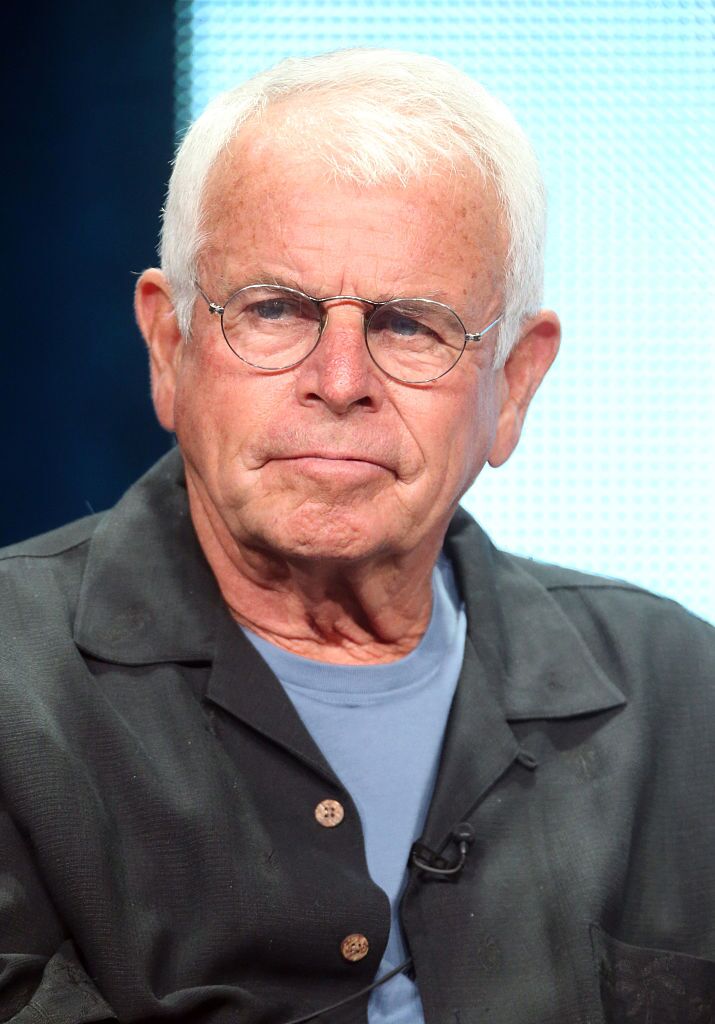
[[215, 309]]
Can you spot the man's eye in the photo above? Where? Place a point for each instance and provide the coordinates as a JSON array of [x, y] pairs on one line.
[[398, 324], [404, 325], [274, 309]]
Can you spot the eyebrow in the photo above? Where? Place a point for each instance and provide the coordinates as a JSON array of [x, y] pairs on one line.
[[259, 277], [289, 282]]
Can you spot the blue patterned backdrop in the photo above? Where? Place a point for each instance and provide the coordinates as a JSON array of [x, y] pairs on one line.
[[615, 471]]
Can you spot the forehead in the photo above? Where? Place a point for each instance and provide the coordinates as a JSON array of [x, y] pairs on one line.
[[272, 200]]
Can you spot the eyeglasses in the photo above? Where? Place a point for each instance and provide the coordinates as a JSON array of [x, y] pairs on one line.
[[272, 327]]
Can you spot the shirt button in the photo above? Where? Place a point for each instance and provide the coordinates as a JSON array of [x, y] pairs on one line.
[[329, 813], [354, 947]]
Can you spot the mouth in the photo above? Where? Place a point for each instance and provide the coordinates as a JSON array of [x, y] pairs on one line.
[[334, 464]]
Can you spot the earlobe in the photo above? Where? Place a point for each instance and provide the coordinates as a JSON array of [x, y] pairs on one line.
[[522, 374], [155, 315], [508, 433]]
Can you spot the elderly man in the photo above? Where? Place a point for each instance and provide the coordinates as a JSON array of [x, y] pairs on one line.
[[284, 737]]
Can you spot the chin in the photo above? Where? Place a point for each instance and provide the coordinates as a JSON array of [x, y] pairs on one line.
[[322, 534]]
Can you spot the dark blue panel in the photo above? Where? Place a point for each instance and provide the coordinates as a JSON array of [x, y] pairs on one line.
[[88, 89]]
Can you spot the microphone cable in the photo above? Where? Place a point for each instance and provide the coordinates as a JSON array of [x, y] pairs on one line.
[[420, 857], [356, 995]]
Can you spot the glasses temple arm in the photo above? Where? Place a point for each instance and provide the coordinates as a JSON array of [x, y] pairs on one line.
[[213, 306], [480, 334]]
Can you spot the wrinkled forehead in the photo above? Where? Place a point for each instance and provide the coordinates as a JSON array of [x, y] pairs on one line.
[[364, 143], [295, 155]]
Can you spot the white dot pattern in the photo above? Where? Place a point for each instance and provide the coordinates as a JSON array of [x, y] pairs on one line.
[[615, 470]]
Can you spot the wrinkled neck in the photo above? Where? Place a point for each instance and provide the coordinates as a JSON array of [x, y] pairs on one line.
[[371, 611]]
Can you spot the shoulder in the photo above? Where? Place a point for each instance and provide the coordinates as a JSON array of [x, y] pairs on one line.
[[52, 544], [41, 576], [606, 593], [643, 642], [630, 629]]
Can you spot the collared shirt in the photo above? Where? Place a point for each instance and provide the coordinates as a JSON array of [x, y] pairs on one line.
[[380, 727], [161, 857]]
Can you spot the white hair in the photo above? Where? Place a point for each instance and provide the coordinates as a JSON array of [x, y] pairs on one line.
[[384, 115]]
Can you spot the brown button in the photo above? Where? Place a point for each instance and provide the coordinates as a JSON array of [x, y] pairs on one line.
[[354, 947], [329, 813]]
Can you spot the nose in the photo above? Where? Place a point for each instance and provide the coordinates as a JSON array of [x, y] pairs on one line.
[[339, 373]]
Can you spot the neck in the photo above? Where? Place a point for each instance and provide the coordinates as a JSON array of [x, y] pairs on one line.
[[369, 612]]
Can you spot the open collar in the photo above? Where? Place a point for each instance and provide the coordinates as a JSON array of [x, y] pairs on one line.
[[536, 663], [149, 596]]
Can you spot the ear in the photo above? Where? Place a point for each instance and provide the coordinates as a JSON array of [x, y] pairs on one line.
[[521, 375], [155, 315]]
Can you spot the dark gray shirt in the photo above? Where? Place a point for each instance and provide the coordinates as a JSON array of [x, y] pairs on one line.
[[380, 727], [160, 857]]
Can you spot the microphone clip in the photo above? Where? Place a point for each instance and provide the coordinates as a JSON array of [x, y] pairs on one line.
[[426, 860]]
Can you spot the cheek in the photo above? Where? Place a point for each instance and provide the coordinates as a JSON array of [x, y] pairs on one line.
[[474, 429], [205, 408], [206, 387], [221, 408]]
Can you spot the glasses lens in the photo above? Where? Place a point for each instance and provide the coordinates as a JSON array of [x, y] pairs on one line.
[[415, 340], [271, 327]]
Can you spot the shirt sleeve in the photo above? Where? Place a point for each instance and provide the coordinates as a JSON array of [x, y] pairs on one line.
[[41, 975]]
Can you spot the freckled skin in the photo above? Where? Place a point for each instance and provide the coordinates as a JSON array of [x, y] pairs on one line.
[[325, 555], [328, 239]]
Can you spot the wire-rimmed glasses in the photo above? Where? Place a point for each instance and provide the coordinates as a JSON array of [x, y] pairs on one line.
[[273, 327]]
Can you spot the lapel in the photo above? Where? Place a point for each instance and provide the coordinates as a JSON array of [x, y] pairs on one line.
[[478, 748], [523, 660], [148, 596], [536, 663], [243, 684]]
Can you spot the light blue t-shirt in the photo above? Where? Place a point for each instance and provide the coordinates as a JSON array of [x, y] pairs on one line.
[[380, 727]]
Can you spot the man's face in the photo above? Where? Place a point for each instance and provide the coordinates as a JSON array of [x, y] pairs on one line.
[[333, 459]]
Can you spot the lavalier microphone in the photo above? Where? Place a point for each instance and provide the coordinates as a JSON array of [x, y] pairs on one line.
[[434, 864]]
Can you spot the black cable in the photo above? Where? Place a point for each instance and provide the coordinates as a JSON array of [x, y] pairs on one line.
[[463, 835], [356, 995], [431, 870]]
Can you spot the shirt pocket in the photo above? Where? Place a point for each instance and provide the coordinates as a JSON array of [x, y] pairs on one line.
[[652, 986]]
